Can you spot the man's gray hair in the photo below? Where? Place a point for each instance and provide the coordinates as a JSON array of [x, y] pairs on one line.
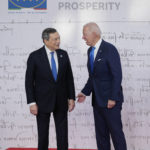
[[93, 28], [47, 32]]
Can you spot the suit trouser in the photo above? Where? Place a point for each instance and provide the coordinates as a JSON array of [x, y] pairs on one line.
[[61, 124], [108, 122]]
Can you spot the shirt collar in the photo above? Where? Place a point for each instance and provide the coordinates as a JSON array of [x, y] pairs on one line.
[[48, 50], [97, 45]]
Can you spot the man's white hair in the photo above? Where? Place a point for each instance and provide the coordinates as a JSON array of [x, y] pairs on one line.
[[93, 27]]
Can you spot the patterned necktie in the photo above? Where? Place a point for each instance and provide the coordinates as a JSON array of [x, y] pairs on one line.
[[53, 66], [92, 58]]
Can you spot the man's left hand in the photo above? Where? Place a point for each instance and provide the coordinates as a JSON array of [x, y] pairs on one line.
[[71, 104], [111, 103]]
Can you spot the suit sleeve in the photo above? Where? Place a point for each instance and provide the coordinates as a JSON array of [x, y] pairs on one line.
[[70, 81], [87, 88], [29, 80], [116, 71]]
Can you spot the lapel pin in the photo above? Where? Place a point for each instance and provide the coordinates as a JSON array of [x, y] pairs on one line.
[[99, 60], [61, 56]]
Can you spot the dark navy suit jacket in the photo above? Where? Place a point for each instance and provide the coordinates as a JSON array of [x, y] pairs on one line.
[[41, 86], [105, 81]]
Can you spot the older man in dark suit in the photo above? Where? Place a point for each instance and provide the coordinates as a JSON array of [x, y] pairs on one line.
[[50, 88], [104, 82]]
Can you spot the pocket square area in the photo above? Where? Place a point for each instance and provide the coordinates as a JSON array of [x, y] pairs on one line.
[[99, 59]]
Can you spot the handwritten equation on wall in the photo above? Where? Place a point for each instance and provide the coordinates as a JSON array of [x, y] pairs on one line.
[[18, 126]]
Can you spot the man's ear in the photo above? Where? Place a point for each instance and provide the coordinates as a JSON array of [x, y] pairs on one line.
[[45, 41]]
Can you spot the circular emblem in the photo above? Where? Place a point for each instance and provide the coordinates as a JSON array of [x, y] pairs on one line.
[[27, 3]]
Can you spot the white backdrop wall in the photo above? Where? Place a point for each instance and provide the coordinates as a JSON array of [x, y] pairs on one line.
[[125, 23]]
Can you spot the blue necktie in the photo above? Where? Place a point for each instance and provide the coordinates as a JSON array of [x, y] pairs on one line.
[[92, 58], [53, 66]]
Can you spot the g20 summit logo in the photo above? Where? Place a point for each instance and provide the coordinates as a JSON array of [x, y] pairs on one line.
[[34, 4]]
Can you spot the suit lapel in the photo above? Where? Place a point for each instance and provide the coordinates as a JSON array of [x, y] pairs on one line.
[[46, 64], [99, 53], [60, 62]]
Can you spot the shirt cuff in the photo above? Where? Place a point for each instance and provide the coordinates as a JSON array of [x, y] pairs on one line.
[[33, 103]]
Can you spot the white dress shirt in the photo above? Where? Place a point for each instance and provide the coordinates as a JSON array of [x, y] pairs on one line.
[[48, 51]]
